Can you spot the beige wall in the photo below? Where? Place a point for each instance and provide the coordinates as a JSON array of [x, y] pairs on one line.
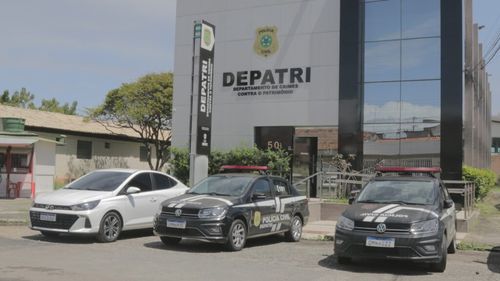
[[121, 154]]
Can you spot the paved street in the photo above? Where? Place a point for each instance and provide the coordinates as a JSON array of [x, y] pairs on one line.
[[26, 255]]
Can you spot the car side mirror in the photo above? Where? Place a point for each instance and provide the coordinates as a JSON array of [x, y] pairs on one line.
[[353, 196], [133, 189], [448, 204], [258, 197]]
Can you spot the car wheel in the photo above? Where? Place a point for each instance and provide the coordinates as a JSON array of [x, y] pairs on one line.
[[170, 240], [452, 248], [111, 227], [237, 236], [295, 232], [440, 266], [49, 234], [343, 260]]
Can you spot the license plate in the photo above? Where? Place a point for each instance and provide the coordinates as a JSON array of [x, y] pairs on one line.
[[47, 217], [176, 224], [380, 242]]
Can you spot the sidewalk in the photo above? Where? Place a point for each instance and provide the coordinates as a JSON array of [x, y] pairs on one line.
[[14, 211], [319, 230]]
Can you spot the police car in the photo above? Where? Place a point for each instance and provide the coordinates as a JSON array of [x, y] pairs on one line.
[[233, 206], [403, 213]]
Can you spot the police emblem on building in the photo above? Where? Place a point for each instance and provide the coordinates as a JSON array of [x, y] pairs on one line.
[[266, 41]]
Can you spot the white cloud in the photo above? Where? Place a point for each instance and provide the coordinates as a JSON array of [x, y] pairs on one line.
[[393, 112]]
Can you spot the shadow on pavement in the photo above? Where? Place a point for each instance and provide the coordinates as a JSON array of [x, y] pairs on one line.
[[494, 260], [377, 266], [88, 239], [193, 246]]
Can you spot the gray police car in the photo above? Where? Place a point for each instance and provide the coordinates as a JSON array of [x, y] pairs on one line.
[[403, 213], [229, 208]]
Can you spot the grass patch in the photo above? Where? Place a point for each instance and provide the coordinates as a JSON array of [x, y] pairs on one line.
[[486, 208], [473, 246]]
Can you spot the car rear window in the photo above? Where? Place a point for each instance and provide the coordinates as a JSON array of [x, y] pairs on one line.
[[393, 191]]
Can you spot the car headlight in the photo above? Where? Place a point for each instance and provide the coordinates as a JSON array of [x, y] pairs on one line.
[[212, 213], [85, 206], [345, 223], [431, 226]]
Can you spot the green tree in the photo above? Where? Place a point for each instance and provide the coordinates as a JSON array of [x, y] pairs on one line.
[[24, 99], [53, 105], [144, 106], [21, 98]]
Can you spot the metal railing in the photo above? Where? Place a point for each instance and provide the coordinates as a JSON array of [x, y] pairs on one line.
[[338, 184], [467, 190], [307, 182]]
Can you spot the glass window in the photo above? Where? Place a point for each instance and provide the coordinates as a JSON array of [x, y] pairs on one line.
[[382, 102], [421, 144], [382, 20], [162, 182], [142, 181], [262, 186], [421, 18], [84, 150], [222, 185], [143, 154], [99, 181], [281, 188], [381, 144], [382, 61], [495, 145], [421, 101], [409, 192], [421, 59]]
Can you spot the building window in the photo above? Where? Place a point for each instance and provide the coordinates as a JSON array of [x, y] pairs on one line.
[[84, 150], [107, 145], [402, 83], [19, 163], [495, 145], [143, 154]]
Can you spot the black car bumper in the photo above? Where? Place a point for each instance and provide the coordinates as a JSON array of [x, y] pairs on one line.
[[195, 228], [352, 244]]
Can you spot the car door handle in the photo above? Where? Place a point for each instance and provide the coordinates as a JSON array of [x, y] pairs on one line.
[[153, 200]]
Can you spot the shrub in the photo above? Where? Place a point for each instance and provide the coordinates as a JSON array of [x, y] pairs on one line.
[[483, 179], [277, 161], [179, 163]]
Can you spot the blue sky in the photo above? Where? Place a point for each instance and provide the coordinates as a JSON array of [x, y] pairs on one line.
[[79, 50]]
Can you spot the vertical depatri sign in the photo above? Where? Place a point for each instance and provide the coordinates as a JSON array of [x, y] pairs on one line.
[[205, 88]]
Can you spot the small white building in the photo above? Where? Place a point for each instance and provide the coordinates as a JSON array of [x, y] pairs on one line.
[[64, 148]]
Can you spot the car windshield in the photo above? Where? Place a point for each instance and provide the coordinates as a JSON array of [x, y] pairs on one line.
[[99, 181], [398, 192], [222, 185]]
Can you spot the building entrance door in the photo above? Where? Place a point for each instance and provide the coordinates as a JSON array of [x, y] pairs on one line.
[[305, 155]]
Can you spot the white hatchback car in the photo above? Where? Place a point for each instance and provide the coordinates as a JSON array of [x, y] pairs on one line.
[[103, 203]]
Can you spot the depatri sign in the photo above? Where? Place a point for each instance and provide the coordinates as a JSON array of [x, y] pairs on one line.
[[205, 88], [265, 82]]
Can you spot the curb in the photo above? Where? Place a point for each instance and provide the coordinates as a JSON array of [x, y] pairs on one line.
[[13, 222], [317, 237]]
